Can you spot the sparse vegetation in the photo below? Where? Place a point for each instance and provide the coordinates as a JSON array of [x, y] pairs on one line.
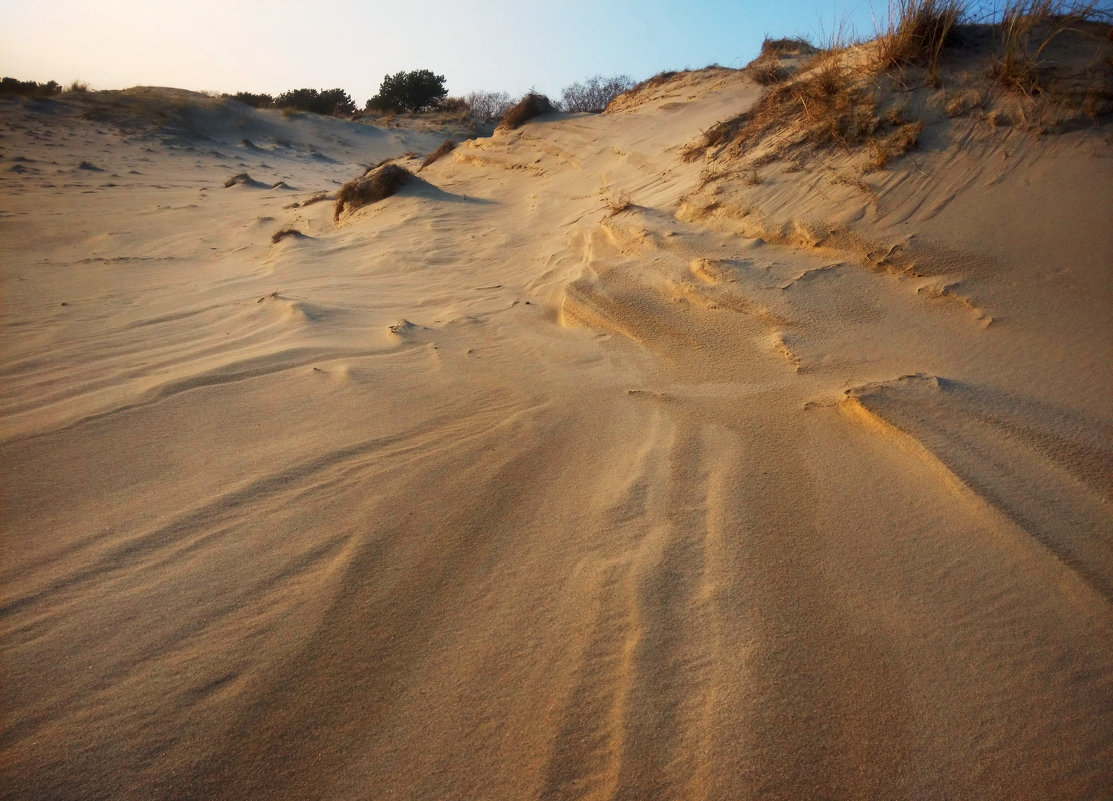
[[897, 143], [446, 147], [594, 94], [530, 106], [376, 184], [1027, 28]]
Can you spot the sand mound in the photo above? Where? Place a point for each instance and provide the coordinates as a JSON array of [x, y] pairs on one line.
[[375, 185]]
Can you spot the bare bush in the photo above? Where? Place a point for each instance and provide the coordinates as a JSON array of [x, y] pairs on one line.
[[530, 106], [595, 93], [488, 105], [376, 184]]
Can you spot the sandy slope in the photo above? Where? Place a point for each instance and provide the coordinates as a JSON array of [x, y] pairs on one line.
[[486, 493]]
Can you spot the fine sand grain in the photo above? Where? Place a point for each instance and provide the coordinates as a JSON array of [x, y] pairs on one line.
[[787, 488]]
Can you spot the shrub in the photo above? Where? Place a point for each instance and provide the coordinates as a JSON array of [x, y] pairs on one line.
[[488, 105], [251, 99], [530, 106], [776, 48], [376, 184], [419, 90], [445, 148], [327, 101], [594, 94]]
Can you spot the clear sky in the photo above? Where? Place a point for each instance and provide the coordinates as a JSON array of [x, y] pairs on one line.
[[495, 45]]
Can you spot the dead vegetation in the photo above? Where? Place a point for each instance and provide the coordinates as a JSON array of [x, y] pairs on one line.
[[530, 106], [376, 184], [1028, 29], [918, 31], [239, 178], [446, 147], [618, 203], [876, 98], [282, 233], [769, 67]]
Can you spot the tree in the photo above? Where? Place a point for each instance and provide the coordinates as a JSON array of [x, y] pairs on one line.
[[594, 94], [409, 91]]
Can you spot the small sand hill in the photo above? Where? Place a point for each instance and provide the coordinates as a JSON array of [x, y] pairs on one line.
[[749, 440]]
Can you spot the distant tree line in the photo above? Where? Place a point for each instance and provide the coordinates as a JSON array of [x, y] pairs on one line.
[[13, 86], [403, 92]]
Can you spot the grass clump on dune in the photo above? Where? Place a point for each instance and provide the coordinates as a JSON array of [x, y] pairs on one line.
[[282, 233], [1027, 29], [918, 32], [376, 184], [446, 147], [530, 106]]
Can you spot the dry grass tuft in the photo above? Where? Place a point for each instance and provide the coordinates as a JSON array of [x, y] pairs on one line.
[[240, 178], [828, 103], [917, 33], [530, 106], [446, 147], [1027, 28], [655, 81], [616, 204], [316, 198], [718, 135], [883, 150], [373, 186], [768, 72], [282, 233]]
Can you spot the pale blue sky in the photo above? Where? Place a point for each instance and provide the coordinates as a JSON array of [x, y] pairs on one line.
[[497, 45]]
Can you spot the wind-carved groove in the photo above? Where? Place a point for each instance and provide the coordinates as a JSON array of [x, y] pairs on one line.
[[587, 751], [669, 705]]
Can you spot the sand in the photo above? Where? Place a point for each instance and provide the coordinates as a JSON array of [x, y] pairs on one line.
[[775, 491]]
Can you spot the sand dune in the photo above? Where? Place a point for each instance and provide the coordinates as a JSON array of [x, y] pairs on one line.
[[796, 487]]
